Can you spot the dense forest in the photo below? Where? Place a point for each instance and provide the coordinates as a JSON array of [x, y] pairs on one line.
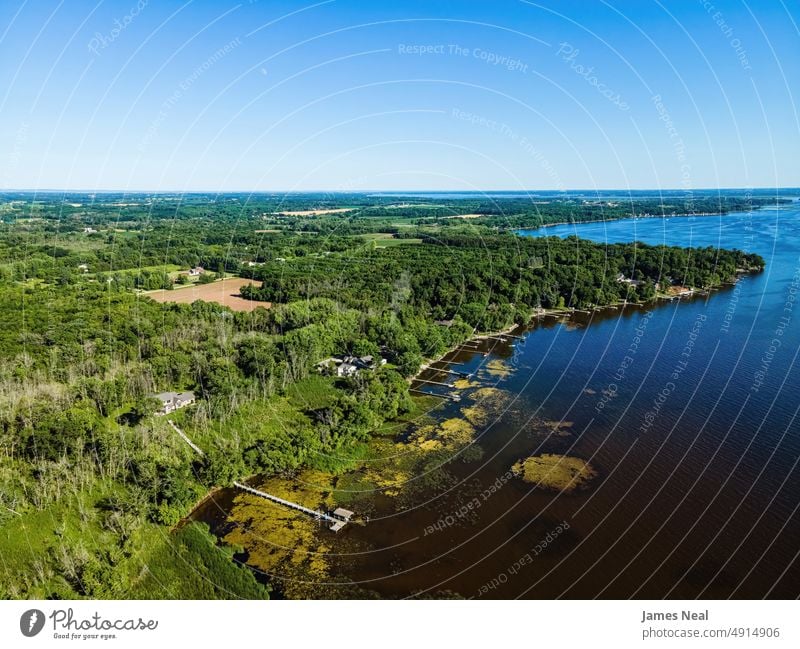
[[94, 488], [495, 280]]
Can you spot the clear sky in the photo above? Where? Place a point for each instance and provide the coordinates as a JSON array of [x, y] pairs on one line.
[[377, 94]]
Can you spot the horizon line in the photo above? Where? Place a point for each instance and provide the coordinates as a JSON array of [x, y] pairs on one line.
[[51, 190]]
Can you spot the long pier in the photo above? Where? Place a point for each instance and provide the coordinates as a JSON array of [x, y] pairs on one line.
[[428, 394], [340, 518], [287, 503], [446, 371], [447, 385]]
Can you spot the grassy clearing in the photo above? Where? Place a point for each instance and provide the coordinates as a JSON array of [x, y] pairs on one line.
[[188, 564], [375, 236], [389, 243], [312, 393], [276, 418], [386, 239], [78, 547], [165, 268], [28, 544]]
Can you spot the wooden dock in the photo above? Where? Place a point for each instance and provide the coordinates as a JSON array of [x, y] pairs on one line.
[[446, 371], [447, 385], [434, 394], [338, 520]]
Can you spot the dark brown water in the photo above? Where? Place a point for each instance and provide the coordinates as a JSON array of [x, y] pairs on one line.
[[696, 451]]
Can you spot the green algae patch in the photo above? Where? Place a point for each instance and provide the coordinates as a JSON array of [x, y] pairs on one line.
[[388, 468], [558, 472], [498, 368], [388, 482], [475, 415], [462, 384], [492, 400], [450, 435], [283, 542]]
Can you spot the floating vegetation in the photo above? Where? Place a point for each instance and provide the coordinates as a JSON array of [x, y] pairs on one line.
[[450, 435], [387, 480], [560, 428], [476, 415], [355, 491], [558, 472], [492, 399], [498, 368], [283, 542], [430, 445], [462, 384]]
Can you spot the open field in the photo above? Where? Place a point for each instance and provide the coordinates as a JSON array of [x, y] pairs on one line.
[[172, 269], [316, 212], [224, 292], [387, 243], [386, 239]]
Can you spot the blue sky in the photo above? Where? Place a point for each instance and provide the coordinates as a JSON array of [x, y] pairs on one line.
[[352, 95]]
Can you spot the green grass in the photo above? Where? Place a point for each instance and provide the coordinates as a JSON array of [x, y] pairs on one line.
[[78, 242], [388, 243], [375, 236], [188, 564], [153, 563], [166, 268], [419, 415], [276, 418], [312, 393], [30, 543], [386, 239]]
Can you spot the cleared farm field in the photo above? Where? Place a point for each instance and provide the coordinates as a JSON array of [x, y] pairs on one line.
[[388, 243], [337, 210], [224, 292], [386, 239]]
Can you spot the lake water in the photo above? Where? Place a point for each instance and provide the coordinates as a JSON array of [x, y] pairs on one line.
[[688, 410]]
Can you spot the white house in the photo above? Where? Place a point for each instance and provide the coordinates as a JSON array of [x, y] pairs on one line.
[[349, 365], [172, 401]]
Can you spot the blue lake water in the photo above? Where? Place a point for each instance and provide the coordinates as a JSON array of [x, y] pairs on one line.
[[702, 469], [689, 412]]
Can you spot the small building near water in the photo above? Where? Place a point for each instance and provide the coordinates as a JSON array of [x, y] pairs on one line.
[[343, 517]]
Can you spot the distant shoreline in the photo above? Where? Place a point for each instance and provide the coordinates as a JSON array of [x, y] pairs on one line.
[[635, 216]]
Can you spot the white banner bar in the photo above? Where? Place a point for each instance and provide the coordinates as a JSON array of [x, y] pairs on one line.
[[387, 624]]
